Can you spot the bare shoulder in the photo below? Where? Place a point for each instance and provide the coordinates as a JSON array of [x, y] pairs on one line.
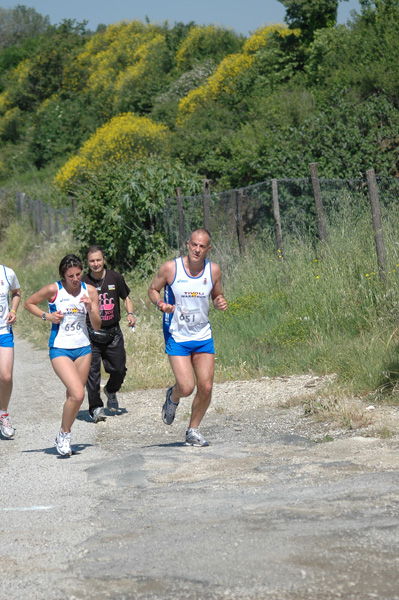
[[167, 271], [216, 271], [50, 290]]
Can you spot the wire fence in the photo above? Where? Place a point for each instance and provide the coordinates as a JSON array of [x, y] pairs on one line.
[[252, 207], [283, 207], [287, 208]]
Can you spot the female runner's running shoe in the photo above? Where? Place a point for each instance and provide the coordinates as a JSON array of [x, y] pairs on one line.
[[5, 426], [63, 443]]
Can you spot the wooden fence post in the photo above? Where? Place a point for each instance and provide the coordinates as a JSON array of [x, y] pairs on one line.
[[239, 221], [321, 220], [180, 213], [50, 222], [18, 202], [21, 202], [56, 221], [276, 215], [36, 208], [377, 223], [206, 203]]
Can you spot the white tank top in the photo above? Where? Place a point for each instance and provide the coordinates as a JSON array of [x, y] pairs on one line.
[[72, 331], [8, 282], [190, 295]]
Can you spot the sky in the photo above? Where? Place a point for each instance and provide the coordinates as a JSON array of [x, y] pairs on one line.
[[244, 16]]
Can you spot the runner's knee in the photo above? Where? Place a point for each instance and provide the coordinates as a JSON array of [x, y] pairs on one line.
[[6, 379], [185, 389], [77, 397], [205, 388]]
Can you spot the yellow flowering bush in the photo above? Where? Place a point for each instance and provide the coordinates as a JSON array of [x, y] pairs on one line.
[[106, 55], [124, 138], [121, 69], [261, 36], [223, 80], [226, 78]]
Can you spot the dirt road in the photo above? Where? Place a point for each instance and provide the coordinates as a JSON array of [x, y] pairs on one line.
[[271, 510]]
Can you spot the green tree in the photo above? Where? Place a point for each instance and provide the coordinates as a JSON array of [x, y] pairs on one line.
[[19, 23], [374, 10], [310, 15], [41, 75], [364, 58]]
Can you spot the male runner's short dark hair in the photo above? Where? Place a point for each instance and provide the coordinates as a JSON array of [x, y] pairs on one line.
[[201, 230], [94, 248]]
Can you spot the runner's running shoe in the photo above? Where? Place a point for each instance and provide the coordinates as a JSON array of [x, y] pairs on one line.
[[195, 438], [169, 408], [98, 414], [5, 426], [112, 401], [63, 443]]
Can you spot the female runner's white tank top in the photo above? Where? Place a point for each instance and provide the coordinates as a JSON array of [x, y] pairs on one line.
[[190, 295], [72, 331]]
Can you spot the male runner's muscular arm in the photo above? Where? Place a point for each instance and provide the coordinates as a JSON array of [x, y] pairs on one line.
[[219, 301], [165, 275]]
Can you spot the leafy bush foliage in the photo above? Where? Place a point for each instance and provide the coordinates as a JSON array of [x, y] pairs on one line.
[[10, 125], [204, 43], [120, 207]]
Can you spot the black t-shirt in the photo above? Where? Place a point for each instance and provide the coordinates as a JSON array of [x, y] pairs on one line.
[[109, 289]]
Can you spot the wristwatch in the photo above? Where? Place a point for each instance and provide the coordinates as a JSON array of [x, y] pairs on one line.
[[44, 316]]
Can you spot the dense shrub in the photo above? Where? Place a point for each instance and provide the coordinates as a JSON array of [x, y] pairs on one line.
[[121, 205]]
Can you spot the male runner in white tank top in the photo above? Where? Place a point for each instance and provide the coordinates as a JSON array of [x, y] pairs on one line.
[[189, 283]]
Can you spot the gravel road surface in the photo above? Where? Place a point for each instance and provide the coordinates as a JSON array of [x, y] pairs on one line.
[[280, 506]]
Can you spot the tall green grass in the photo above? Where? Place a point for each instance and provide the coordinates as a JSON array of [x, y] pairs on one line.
[[315, 307], [307, 307]]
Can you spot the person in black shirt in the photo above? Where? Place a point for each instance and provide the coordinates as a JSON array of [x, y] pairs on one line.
[[107, 344]]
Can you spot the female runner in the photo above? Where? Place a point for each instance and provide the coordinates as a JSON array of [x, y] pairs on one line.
[[69, 301]]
